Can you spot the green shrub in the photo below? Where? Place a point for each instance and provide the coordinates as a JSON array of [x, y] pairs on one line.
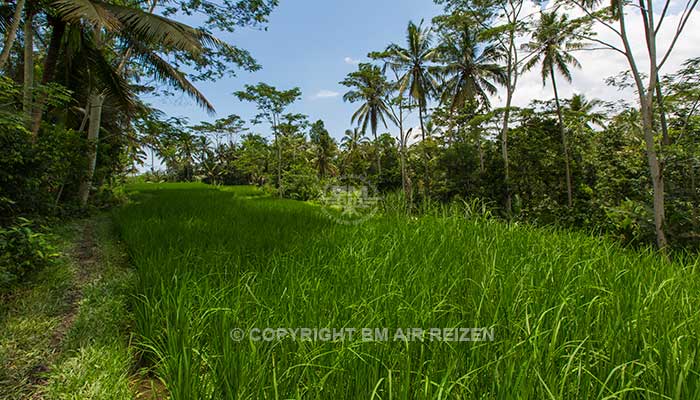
[[301, 183], [22, 250], [631, 222]]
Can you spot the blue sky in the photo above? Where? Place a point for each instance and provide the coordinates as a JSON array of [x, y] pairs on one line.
[[311, 44], [308, 41]]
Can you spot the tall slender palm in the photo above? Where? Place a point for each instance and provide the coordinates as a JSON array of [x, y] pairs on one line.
[[58, 29], [415, 63], [471, 67], [186, 150], [372, 89], [552, 45]]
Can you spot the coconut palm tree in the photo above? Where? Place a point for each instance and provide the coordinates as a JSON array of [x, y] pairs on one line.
[[122, 27], [552, 46], [351, 143], [187, 148], [415, 65], [324, 149], [143, 34], [81, 33], [580, 112], [372, 89], [471, 68]]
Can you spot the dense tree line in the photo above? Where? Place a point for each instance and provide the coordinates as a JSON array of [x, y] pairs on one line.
[[576, 161], [73, 124]]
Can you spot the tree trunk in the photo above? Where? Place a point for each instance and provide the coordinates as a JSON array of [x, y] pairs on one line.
[[647, 110], [379, 156], [504, 151], [279, 164], [666, 140], [426, 187], [656, 175], [86, 116], [153, 160], [404, 176], [481, 153], [655, 165], [28, 65], [405, 184], [11, 34], [49, 71], [406, 179], [695, 197], [512, 80], [422, 127], [402, 159], [96, 102], [565, 146]]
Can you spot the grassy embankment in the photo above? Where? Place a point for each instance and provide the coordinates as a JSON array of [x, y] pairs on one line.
[[574, 317], [64, 334]]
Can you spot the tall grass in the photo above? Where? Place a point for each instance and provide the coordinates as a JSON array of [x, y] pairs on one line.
[[574, 317]]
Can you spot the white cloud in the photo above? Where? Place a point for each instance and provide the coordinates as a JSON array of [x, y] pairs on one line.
[[350, 60], [598, 65], [325, 94]]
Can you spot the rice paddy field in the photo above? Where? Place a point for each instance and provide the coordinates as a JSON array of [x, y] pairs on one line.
[[572, 316]]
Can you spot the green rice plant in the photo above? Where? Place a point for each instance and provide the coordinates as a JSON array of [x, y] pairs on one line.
[[573, 316]]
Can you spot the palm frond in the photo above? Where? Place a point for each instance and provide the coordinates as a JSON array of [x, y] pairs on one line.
[[101, 69], [137, 24], [164, 72], [77, 11]]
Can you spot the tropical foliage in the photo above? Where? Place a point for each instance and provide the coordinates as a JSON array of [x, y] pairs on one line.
[[571, 224], [574, 162]]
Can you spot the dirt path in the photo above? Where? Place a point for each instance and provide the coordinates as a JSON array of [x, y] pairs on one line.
[[36, 317], [86, 259]]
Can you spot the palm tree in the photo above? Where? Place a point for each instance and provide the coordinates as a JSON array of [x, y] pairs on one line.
[[471, 69], [141, 32], [581, 112], [552, 45], [152, 142], [351, 144], [352, 140], [186, 149], [414, 62], [431, 129], [370, 87], [129, 26], [399, 107], [58, 29], [324, 149]]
